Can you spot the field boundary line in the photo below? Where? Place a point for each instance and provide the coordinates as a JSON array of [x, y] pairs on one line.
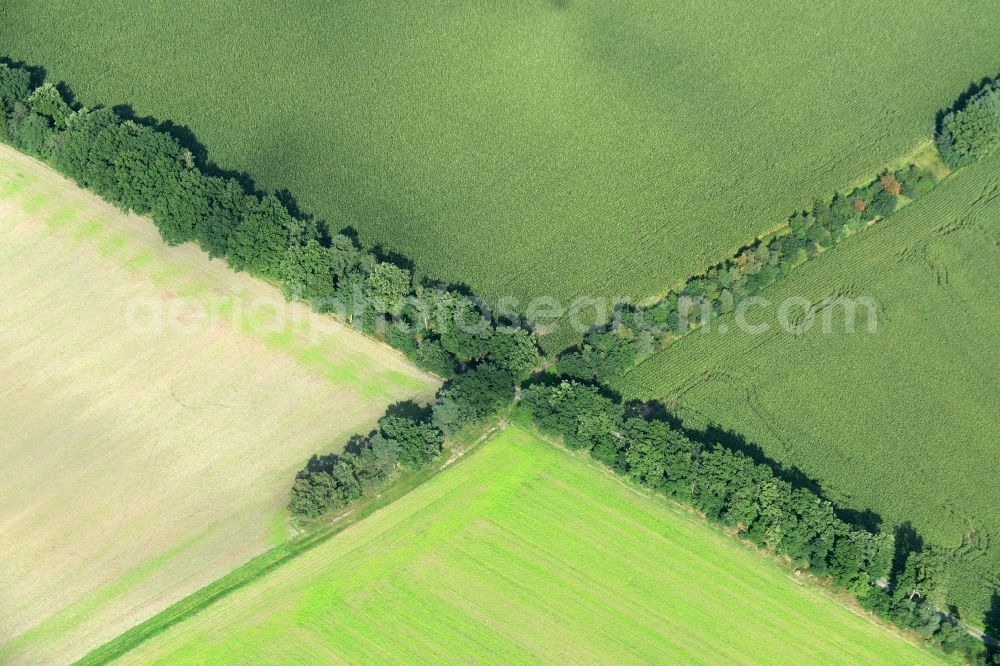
[[688, 512], [263, 564], [924, 154]]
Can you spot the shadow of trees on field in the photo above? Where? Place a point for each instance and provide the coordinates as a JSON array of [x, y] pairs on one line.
[[187, 139], [991, 626], [908, 541], [409, 409], [737, 442], [971, 91], [37, 72], [715, 435]]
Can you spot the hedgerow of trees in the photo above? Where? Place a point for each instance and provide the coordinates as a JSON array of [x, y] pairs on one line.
[[142, 169], [145, 170], [329, 482], [607, 353], [895, 578]]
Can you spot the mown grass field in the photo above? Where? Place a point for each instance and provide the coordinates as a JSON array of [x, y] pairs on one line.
[[902, 422], [519, 553], [532, 147], [148, 447]]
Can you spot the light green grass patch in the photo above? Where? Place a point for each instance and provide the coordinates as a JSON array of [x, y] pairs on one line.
[[193, 289], [13, 185], [167, 275], [280, 531], [60, 218], [111, 245], [88, 231], [138, 261], [520, 553], [33, 203]]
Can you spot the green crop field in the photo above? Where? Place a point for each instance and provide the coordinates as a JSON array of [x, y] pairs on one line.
[[902, 422], [520, 553], [531, 147], [154, 408]]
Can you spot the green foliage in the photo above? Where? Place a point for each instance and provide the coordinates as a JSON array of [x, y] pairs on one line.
[[260, 242], [15, 86], [883, 204], [402, 337], [659, 457], [473, 396], [972, 131], [415, 443], [30, 132], [330, 482], [920, 616], [314, 493], [386, 286], [226, 205], [48, 102], [602, 356], [514, 349], [467, 332], [308, 272], [578, 412], [915, 182], [917, 380], [431, 356]]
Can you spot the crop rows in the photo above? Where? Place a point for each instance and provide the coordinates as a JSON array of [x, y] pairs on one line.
[[520, 148], [525, 553], [901, 422]]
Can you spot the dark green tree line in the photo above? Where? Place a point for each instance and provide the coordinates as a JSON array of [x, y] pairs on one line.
[[895, 578], [447, 331]]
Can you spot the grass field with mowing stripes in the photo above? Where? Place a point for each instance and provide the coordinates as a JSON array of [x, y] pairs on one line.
[[522, 552]]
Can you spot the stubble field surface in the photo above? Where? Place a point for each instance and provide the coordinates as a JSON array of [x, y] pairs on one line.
[[147, 446]]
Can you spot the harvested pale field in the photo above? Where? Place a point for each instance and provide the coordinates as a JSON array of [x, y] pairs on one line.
[[522, 553], [154, 407]]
